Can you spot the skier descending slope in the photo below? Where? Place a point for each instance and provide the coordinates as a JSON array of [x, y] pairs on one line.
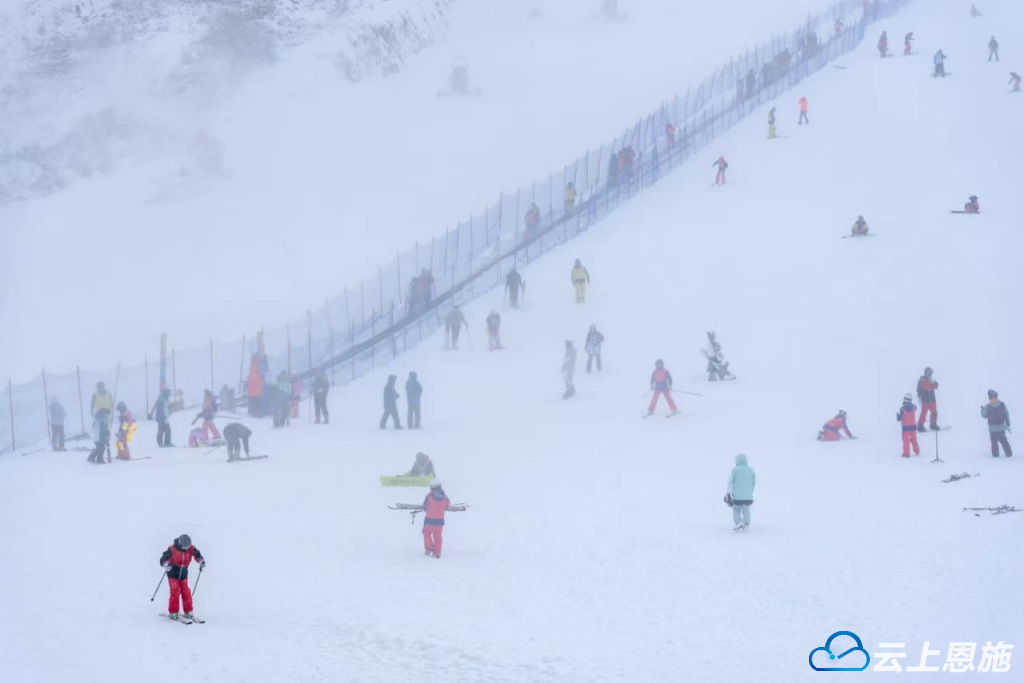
[[998, 423], [580, 279], [661, 385], [593, 347], [569, 369], [722, 164], [803, 112], [940, 64], [175, 561], [906, 417], [771, 122], [883, 45], [926, 387], [907, 40], [740, 494]]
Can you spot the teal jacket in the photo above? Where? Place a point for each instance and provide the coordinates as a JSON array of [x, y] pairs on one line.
[[742, 480]]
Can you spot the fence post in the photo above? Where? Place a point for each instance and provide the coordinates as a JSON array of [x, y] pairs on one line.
[[288, 341], [398, 269], [81, 405], [46, 408], [380, 289], [330, 336], [10, 395], [472, 280]]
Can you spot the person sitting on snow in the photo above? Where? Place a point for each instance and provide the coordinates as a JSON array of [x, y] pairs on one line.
[[830, 432], [196, 438], [423, 467], [972, 206], [860, 228]]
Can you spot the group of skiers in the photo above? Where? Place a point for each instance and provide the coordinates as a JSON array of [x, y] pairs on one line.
[[995, 412]]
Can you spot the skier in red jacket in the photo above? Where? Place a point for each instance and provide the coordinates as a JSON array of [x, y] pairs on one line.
[[722, 165], [830, 432], [175, 561], [907, 418], [661, 385], [435, 505], [926, 387]]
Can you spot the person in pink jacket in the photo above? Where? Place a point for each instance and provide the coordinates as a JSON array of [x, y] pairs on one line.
[[435, 505]]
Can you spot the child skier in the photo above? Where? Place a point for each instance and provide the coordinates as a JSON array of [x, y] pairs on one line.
[[907, 418], [830, 432], [569, 369], [493, 331], [661, 385], [740, 494], [998, 423], [926, 387], [722, 165], [803, 112], [434, 506], [125, 431], [860, 228], [593, 347], [237, 435], [209, 410], [175, 561], [196, 438]]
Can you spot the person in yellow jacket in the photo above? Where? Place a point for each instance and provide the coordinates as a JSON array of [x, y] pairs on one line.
[[570, 199], [125, 431], [580, 280]]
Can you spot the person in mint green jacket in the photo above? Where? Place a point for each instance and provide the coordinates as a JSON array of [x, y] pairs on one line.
[[741, 492]]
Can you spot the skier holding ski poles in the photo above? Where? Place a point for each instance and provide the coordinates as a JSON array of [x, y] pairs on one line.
[[661, 385], [175, 561]]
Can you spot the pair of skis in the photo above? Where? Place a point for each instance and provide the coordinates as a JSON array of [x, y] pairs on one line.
[[185, 621], [250, 457], [416, 507], [672, 414]]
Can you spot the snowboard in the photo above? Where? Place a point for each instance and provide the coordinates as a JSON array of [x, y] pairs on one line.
[[404, 480]]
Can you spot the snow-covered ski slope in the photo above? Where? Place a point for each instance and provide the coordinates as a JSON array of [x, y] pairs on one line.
[[596, 546], [288, 184]]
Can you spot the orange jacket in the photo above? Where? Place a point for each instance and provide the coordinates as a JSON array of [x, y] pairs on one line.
[[837, 423]]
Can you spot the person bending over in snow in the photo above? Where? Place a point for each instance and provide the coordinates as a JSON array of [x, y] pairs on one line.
[[423, 467], [740, 494], [237, 435], [434, 506], [175, 561], [972, 205], [860, 228], [907, 418], [830, 432]]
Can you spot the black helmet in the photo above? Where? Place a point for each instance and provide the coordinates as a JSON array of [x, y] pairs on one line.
[[183, 541], [121, 407], [973, 198]]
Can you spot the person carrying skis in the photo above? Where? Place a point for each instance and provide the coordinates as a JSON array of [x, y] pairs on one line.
[[569, 369], [435, 505], [1015, 80], [993, 49], [926, 387], [580, 279], [321, 385], [57, 415], [453, 324], [940, 64], [593, 347], [740, 493], [390, 403], [413, 392], [830, 432], [860, 227], [570, 199], [883, 45], [493, 331], [661, 385], [972, 205], [998, 417], [514, 285], [422, 467], [125, 431], [175, 561], [237, 435], [161, 413], [722, 164], [803, 112], [771, 123], [907, 418], [908, 48]]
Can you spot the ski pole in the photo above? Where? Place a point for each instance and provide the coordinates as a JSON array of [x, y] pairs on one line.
[[680, 391], [195, 589], [160, 583], [647, 394], [211, 451]]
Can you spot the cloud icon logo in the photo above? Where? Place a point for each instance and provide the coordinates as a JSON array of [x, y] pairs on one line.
[[843, 651]]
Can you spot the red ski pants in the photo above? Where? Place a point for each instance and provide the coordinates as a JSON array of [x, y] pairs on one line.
[[179, 587], [925, 409], [829, 435], [432, 538], [208, 427], [910, 439], [720, 177], [668, 399]]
